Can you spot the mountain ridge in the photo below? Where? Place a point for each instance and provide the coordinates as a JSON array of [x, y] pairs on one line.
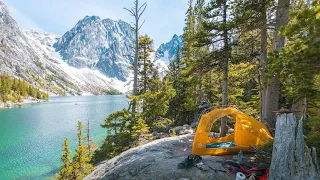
[[91, 58], [98, 43]]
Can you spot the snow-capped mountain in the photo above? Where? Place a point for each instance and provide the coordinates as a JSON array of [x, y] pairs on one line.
[[91, 58], [29, 55], [167, 51], [97, 43], [85, 80]]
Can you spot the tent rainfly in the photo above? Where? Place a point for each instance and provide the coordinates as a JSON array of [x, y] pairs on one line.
[[248, 133]]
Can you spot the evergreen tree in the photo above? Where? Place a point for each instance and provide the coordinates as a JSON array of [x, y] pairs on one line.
[[80, 163], [189, 64], [5, 87], [219, 27], [145, 50], [297, 62], [15, 85], [119, 135], [66, 168], [161, 93], [23, 88], [175, 67], [273, 88], [176, 110]]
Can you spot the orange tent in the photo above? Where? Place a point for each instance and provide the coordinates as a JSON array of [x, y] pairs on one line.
[[248, 133]]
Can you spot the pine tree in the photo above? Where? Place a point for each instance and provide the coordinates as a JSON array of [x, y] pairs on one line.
[[297, 62], [15, 85], [219, 26], [176, 110], [81, 163], [145, 50], [273, 89], [66, 168], [5, 87], [188, 33], [175, 67], [23, 88], [161, 92], [189, 64], [119, 135]]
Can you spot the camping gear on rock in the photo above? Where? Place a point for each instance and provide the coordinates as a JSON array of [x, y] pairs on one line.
[[240, 156], [240, 176], [189, 161], [221, 145], [248, 133], [202, 166], [259, 170]]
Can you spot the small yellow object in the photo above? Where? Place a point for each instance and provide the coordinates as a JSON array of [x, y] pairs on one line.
[[248, 133]]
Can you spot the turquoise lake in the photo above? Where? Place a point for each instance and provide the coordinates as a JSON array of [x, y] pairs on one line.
[[31, 137]]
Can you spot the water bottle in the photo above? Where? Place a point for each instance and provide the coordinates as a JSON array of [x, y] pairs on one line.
[[240, 156]]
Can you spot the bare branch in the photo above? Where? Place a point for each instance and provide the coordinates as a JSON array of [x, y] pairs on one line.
[[145, 6], [131, 12], [141, 24], [133, 24]]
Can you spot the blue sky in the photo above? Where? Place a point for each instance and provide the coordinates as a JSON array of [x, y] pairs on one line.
[[164, 18]]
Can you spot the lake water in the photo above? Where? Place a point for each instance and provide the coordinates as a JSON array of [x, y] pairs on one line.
[[31, 137]]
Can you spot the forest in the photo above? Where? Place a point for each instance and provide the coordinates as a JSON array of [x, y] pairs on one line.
[[14, 90], [256, 55]]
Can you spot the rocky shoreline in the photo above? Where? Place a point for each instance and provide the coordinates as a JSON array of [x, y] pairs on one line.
[[9, 104]]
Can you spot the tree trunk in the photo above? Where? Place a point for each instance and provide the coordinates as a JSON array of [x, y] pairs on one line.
[[136, 55], [273, 85], [291, 158], [223, 128], [88, 138], [263, 57]]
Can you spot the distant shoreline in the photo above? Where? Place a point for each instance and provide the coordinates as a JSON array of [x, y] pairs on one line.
[[9, 104]]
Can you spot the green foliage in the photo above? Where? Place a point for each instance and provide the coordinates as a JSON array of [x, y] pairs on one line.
[[244, 91], [112, 146], [13, 89], [173, 133], [113, 91], [162, 125], [145, 65], [298, 61], [58, 90], [80, 162], [79, 167], [264, 153], [128, 128], [312, 129], [122, 131], [119, 121], [139, 130], [66, 168], [156, 100]]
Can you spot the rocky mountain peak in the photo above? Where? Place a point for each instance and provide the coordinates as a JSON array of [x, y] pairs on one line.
[[96, 43], [167, 51]]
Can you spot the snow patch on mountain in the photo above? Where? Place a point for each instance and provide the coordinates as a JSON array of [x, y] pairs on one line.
[[88, 80], [167, 51], [96, 43]]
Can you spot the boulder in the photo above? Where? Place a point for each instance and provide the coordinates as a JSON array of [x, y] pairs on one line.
[[158, 160], [181, 130]]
